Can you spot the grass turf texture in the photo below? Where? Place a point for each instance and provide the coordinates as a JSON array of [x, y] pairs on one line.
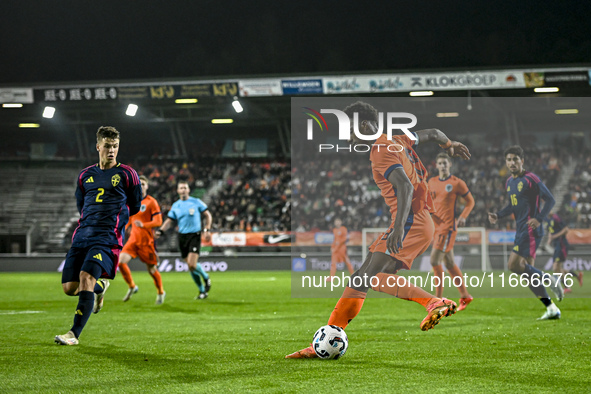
[[236, 339]]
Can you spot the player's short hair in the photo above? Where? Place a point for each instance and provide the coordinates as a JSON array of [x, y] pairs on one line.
[[107, 132], [443, 155], [365, 111], [515, 149], [144, 178]]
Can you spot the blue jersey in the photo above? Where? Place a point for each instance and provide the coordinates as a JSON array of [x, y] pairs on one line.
[[555, 225], [106, 199], [187, 213], [524, 192]]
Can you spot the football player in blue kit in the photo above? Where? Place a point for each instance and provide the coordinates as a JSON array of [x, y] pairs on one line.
[[557, 237], [107, 194], [525, 190]]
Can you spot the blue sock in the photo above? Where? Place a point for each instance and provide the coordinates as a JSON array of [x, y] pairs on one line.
[[201, 272], [83, 311], [540, 290], [197, 280]]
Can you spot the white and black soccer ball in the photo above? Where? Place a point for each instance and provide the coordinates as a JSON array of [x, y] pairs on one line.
[[330, 342]]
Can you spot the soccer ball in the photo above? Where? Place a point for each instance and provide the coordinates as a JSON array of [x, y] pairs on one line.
[[330, 342]]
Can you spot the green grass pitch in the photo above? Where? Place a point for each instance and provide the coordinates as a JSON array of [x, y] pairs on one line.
[[236, 340]]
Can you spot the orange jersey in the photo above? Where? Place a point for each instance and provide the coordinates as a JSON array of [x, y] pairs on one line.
[[385, 157], [150, 216], [445, 193], [340, 238]]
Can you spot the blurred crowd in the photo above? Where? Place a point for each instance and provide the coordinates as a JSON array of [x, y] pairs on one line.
[[241, 195]]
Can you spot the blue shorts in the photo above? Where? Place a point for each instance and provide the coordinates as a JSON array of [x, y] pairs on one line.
[[526, 243], [104, 256], [560, 251]]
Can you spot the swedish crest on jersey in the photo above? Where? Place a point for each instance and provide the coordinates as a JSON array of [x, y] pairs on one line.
[[520, 186], [115, 179]]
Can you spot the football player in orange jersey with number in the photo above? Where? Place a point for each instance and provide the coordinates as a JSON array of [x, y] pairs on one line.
[[338, 249], [445, 190], [141, 243], [401, 177]]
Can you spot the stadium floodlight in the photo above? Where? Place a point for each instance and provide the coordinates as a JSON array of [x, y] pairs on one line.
[[571, 111], [12, 105], [421, 93], [48, 112], [546, 90], [28, 125], [237, 106], [447, 114], [222, 121], [131, 110], [186, 101]]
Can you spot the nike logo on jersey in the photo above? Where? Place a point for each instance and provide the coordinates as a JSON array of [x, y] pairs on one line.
[[89, 180], [98, 257]]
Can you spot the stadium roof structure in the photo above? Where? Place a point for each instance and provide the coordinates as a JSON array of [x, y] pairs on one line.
[[267, 100]]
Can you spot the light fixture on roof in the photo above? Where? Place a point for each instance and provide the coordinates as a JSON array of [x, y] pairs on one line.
[[447, 114], [222, 121], [546, 90], [12, 105], [28, 125], [421, 93], [48, 112], [570, 111], [186, 101], [237, 106], [131, 110]]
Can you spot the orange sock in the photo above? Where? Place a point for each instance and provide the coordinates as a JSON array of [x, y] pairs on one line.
[[126, 273], [454, 272], [389, 284], [333, 269], [438, 272], [347, 307], [157, 281]]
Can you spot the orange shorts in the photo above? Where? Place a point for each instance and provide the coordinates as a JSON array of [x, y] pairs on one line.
[[444, 240], [146, 252], [340, 256], [417, 238]]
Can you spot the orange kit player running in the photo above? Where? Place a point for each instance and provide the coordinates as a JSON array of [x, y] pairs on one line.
[[141, 243], [338, 249], [445, 190], [401, 177]]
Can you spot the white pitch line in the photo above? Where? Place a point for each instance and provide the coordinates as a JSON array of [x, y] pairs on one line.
[[19, 312]]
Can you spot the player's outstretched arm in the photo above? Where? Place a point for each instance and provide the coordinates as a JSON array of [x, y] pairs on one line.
[[165, 226], [453, 148], [404, 193]]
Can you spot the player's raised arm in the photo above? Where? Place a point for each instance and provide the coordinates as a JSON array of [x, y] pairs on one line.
[[453, 148], [404, 192]]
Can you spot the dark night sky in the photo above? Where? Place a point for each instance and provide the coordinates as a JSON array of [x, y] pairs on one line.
[[47, 41]]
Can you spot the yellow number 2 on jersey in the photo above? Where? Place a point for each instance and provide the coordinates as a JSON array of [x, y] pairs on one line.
[[98, 196]]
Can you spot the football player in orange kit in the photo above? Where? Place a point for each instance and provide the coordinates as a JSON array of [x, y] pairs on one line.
[[445, 190], [401, 177], [141, 243], [338, 249]]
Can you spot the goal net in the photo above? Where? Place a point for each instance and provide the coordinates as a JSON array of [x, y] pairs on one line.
[[470, 249]]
